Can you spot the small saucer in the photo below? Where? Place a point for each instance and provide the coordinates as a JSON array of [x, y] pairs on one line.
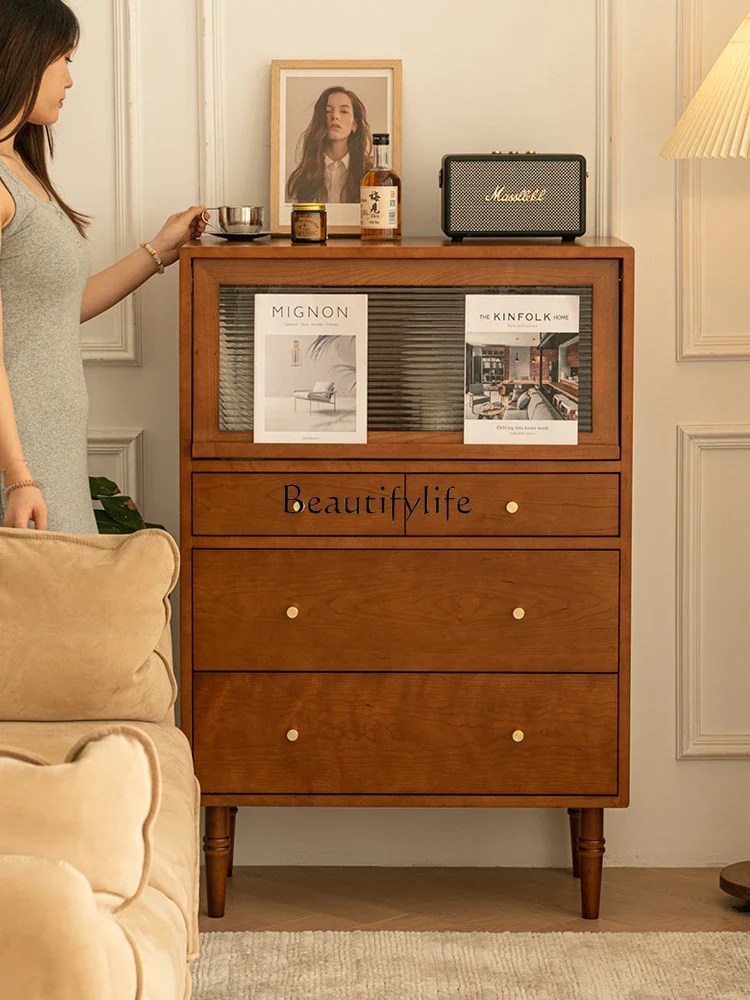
[[238, 236]]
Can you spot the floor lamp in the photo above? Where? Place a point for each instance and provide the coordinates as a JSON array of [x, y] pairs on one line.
[[716, 125]]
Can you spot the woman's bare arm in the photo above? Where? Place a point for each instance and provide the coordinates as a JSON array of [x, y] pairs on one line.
[[10, 443], [27, 503], [108, 287]]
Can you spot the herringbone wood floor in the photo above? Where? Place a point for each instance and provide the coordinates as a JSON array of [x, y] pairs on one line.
[[473, 899]]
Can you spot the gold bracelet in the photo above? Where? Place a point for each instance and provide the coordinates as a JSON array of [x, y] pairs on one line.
[[20, 485], [147, 246]]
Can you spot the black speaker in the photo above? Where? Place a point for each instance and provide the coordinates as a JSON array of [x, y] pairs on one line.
[[513, 194]]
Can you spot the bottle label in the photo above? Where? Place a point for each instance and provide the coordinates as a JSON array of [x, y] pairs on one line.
[[379, 207]]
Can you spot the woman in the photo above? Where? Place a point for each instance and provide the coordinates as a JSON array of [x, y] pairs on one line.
[[45, 288], [336, 151]]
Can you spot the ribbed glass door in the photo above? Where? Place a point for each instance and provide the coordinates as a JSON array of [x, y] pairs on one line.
[[416, 353]]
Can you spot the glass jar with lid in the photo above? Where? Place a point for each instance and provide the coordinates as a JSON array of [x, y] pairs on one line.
[[309, 223]]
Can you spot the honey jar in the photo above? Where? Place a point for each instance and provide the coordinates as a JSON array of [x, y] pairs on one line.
[[309, 223]]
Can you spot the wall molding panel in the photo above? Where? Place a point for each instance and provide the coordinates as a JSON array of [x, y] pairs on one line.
[[124, 347], [693, 343], [212, 163], [605, 218], [125, 448], [608, 97], [692, 741]]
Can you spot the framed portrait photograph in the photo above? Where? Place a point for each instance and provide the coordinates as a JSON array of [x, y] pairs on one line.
[[324, 114]]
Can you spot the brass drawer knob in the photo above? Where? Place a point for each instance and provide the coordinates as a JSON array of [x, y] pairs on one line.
[[519, 613], [293, 735], [297, 506], [511, 507], [292, 612], [518, 736]]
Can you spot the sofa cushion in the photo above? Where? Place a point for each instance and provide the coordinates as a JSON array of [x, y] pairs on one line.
[[60, 941], [175, 834], [86, 625], [94, 811], [513, 413], [540, 409], [156, 930], [56, 941]]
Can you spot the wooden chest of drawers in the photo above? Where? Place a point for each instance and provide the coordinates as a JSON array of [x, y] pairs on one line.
[[349, 654]]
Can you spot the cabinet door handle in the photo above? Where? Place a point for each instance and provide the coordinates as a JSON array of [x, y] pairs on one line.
[[518, 735], [297, 506], [511, 507], [519, 613], [292, 612], [293, 735]]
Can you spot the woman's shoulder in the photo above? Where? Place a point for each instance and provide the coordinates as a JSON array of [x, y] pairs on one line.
[[7, 205], [7, 201]]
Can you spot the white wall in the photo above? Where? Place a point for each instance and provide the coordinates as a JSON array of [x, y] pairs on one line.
[[599, 77], [282, 378]]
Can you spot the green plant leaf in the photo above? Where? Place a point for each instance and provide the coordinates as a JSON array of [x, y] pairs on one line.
[[155, 526], [107, 526], [124, 511], [100, 486]]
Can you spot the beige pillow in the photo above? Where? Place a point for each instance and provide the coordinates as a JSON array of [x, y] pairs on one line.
[[84, 625], [95, 811], [56, 943]]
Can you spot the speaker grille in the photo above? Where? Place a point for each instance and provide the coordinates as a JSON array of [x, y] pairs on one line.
[[469, 182]]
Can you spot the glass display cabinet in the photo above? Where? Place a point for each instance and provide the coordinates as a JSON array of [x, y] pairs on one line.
[[412, 620]]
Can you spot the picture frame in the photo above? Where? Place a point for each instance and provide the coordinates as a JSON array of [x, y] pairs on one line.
[[325, 103]]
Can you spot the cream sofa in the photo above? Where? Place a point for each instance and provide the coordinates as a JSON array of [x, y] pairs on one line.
[[85, 650]]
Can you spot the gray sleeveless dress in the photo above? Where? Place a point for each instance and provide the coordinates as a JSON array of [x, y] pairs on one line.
[[44, 266]]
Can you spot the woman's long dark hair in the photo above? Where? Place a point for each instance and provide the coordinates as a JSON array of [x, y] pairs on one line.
[[307, 182], [33, 34]]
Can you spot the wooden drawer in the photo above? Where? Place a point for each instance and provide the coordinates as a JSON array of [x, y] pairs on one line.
[[256, 503], [499, 504], [405, 610], [406, 734]]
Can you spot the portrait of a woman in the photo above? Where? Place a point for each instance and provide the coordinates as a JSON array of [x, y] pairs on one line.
[[334, 151]]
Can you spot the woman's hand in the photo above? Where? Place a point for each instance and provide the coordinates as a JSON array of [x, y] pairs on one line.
[[24, 505], [178, 230]]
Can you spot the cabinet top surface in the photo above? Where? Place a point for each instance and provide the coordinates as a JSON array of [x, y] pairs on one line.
[[215, 248]]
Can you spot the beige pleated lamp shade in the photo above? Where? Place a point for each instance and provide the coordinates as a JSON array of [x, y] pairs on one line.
[[716, 123]]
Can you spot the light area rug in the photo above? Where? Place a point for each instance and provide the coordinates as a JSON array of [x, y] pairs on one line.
[[405, 965]]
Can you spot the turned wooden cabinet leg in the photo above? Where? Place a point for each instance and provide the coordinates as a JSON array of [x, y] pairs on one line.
[[217, 846], [575, 832], [232, 828], [591, 854]]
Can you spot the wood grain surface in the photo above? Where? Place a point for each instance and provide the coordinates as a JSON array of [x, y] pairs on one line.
[[406, 610], [332, 504], [459, 505], [406, 733], [553, 504]]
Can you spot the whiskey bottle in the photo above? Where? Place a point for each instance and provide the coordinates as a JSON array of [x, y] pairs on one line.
[[380, 195]]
